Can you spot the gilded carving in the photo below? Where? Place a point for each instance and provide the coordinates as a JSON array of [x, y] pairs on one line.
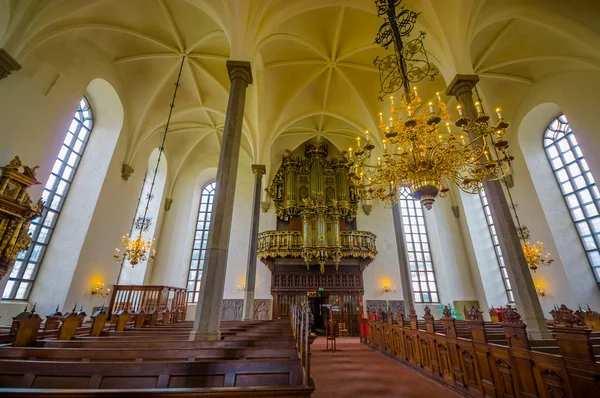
[[16, 211]]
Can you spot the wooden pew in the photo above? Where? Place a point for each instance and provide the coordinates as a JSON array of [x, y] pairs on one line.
[[117, 375], [145, 354], [260, 354]]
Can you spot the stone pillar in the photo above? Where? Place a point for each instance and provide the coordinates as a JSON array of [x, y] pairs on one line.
[[524, 290], [258, 170], [208, 312], [407, 296]]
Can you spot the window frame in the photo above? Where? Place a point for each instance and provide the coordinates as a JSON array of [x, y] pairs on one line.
[[407, 203], [497, 249], [565, 159], [24, 273], [205, 217]]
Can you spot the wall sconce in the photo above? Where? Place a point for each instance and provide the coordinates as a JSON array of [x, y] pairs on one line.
[[241, 287], [541, 292], [99, 290], [387, 288]]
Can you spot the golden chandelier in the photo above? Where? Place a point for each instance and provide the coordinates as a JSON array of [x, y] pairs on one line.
[[416, 154], [135, 250], [533, 255]]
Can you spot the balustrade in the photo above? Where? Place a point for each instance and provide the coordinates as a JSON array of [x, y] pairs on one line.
[[149, 298], [287, 243]]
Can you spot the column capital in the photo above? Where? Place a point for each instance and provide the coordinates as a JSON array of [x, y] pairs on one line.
[[460, 84], [7, 64], [259, 170], [240, 70]]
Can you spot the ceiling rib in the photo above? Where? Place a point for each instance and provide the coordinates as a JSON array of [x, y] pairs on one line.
[[44, 37], [133, 147], [141, 57], [540, 58], [506, 76], [203, 38], [494, 42], [291, 62], [292, 98], [288, 36], [213, 77], [198, 92], [172, 24]]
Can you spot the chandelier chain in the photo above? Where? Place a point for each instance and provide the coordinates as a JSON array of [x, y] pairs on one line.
[[164, 138]]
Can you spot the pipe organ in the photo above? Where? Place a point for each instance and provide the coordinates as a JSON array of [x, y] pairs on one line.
[[312, 193], [316, 255]]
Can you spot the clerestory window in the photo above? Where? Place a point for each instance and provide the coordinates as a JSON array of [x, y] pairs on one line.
[[28, 262], [577, 186], [422, 275], [200, 242]]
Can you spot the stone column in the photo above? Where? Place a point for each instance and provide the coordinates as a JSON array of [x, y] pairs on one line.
[[258, 170], [208, 312], [407, 295], [524, 290]]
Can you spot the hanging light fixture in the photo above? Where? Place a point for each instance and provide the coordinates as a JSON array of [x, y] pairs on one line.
[[416, 154], [137, 250], [534, 253]]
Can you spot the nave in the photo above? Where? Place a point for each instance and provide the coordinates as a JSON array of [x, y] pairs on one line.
[[356, 371]]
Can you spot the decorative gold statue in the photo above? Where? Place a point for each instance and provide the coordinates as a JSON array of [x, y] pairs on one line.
[[16, 211]]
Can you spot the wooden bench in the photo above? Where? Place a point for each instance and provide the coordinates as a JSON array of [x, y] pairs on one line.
[[118, 375], [253, 359], [144, 354]]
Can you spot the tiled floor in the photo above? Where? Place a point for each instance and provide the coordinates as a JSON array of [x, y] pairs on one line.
[[354, 371]]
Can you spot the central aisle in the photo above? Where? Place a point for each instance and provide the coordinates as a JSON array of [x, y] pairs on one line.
[[354, 371]]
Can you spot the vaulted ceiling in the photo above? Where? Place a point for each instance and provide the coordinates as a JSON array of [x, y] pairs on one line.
[[312, 59]]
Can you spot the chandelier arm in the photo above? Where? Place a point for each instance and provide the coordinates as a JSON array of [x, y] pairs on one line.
[[164, 138]]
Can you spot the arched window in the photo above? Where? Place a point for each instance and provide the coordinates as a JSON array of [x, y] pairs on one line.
[[28, 262], [417, 247], [200, 242], [577, 185], [497, 249]]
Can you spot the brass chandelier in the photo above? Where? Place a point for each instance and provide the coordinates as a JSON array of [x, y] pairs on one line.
[[139, 250], [534, 253], [416, 154]]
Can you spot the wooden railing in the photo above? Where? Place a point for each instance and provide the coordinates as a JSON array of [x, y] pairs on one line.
[[300, 319], [476, 368], [148, 298]]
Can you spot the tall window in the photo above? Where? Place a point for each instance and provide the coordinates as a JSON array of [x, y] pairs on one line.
[[417, 246], [577, 185], [496, 243], [200, 242], [28, 262]]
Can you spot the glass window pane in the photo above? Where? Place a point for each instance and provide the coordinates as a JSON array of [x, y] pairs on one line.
[[415, 233], [583, 205], [200, 241], [496, 245], [22, 277]]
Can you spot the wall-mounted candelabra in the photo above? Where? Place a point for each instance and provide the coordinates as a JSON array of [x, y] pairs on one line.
[[100, 290]]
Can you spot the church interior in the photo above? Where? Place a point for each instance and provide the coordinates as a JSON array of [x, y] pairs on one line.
[[295, 198]]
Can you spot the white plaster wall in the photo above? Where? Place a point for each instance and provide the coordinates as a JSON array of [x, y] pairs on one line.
[[451, 264], [384, 269], [485, 270], [69, 268], [569, 279], [178, 227]]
